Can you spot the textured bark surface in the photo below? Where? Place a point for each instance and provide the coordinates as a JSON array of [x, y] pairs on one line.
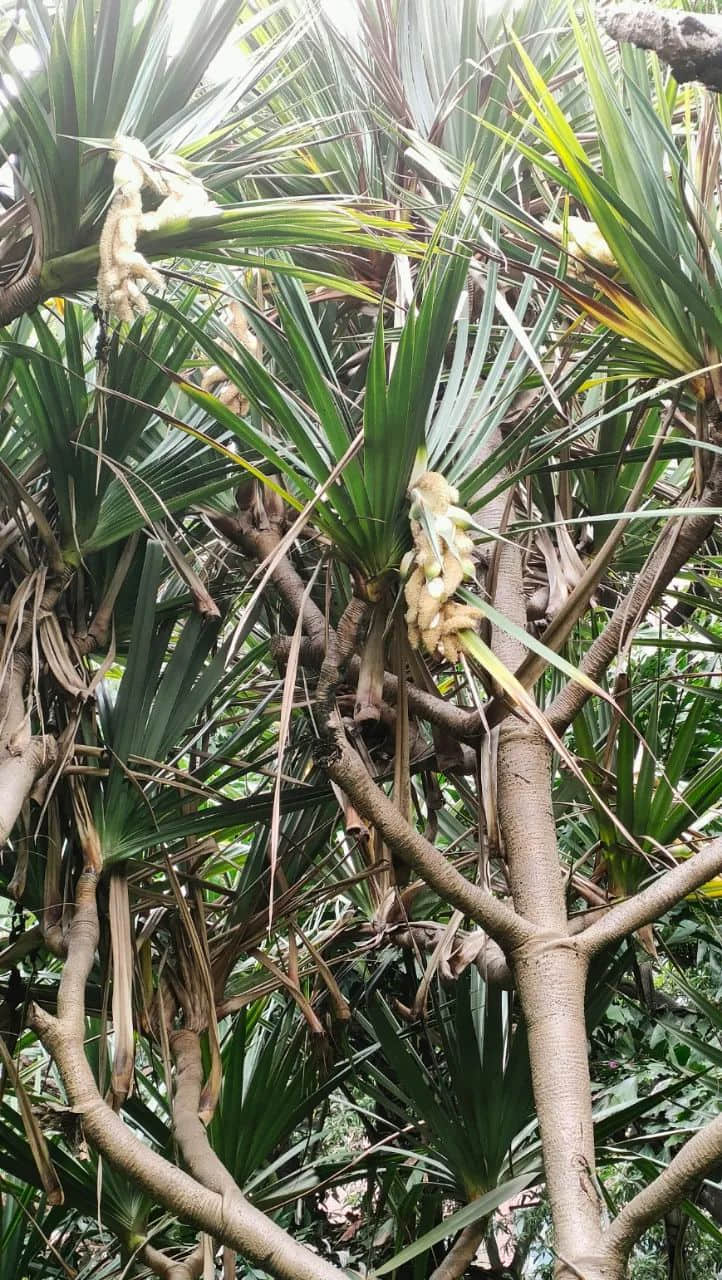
[[23, 758], [652, 903], [527, 824], [547, 956], [21, 296], [550, 970], [460, 723], [198, 1155], [189, 1268], [17, 777], [551, 978], [697, 1159], [690, 43]]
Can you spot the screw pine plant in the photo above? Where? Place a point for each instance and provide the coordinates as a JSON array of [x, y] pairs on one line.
[[360, 473]]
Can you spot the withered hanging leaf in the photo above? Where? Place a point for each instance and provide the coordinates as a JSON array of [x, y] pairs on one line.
[[36, 1140], [122, 1003]]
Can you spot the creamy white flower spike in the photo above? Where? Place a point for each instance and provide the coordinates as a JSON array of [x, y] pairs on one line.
[[215, 380], [436, 567], [122, 267], [584, 240]]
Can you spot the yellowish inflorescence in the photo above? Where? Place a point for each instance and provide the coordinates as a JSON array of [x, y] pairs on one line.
[[122, 267], [437, 566], [584, 240], [215, 380]]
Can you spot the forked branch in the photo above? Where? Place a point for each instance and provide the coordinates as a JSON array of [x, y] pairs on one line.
[[498, 919], [188, 1268]]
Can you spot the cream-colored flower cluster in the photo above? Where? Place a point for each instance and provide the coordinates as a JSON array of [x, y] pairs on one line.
[[215, 380], [584, 240], [121, 265], [438, 564]]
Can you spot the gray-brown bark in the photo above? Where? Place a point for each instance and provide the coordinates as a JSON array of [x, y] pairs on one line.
[[262, 543], [460, 1254], [18, 774], [495, 917], [475, 948], [198, 1155], [697, 1158], [167, 1268], [651, 903], [548, 956], [23, 758], [550, 976], [690, 43], [461, 723], [550, 970]]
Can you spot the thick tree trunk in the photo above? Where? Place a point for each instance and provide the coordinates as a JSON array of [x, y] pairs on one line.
[[550, 979], [550, 970]]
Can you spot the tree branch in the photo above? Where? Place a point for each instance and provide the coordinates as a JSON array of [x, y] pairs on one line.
[[677, 542], [698, 1157], [238, 1224], [18, 775], [263, 543], [462, 724], [22, 757], [192, 1138], [691, 43], [340, 649], [496, 917], [550, 971], [469, 948], [188, 1268], [344, 767], [460, 1254], [655, 900]]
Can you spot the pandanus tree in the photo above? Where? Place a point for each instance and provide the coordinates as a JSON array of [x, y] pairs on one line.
[[360, 471]]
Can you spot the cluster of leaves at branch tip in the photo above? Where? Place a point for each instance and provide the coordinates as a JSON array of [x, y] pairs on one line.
[[122, 266], [437, 565]]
